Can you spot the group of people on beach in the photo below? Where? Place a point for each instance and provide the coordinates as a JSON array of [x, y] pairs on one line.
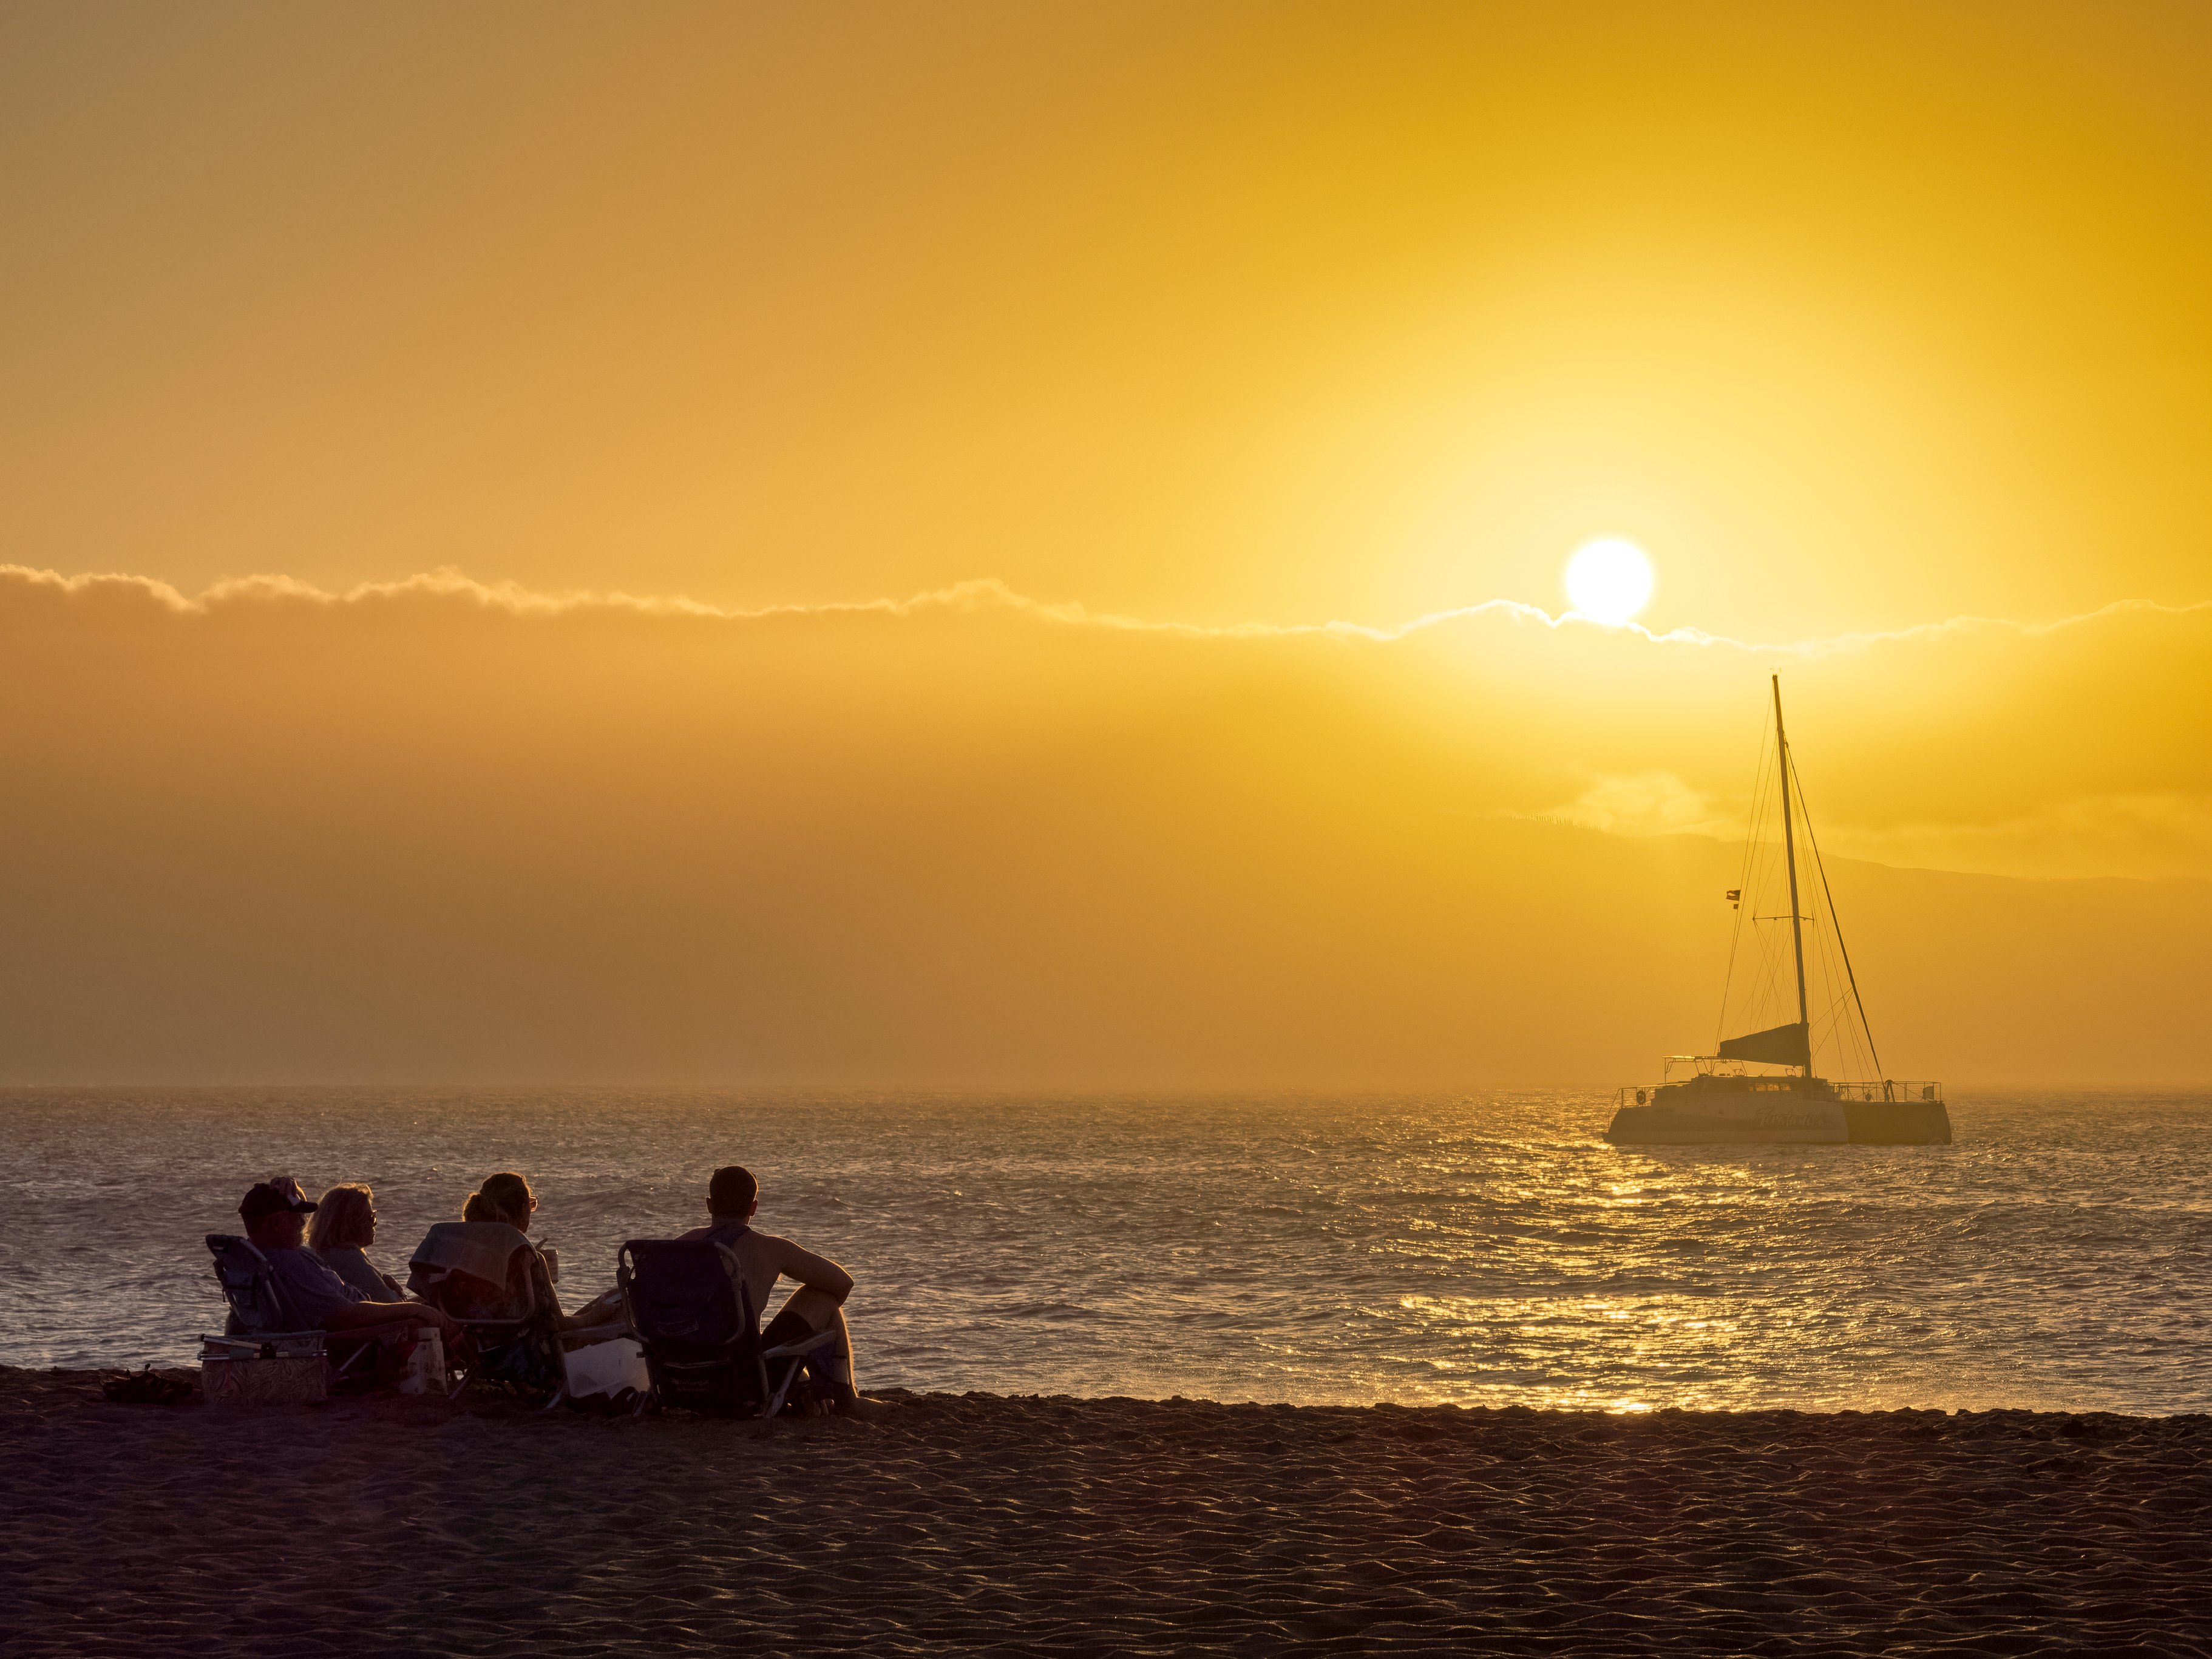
[[318, 1250]]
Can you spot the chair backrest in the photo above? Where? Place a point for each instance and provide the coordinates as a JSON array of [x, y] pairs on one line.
[[692, 1315], [482, 1272], [684, 1291], [257, 1306]]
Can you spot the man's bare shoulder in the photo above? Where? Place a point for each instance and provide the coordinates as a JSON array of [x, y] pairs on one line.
[[795, 1261]]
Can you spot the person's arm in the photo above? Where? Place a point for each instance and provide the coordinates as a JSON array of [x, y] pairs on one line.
[[357, 1270], [358, 1316], [817, 1273]]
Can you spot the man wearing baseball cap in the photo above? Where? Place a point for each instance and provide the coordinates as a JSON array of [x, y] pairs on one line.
[[276, 1214]]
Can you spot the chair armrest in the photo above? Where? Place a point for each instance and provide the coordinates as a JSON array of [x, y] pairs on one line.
[[253, 1344], [804, 1345]]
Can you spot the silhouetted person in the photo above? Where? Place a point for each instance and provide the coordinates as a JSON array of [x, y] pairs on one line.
[[275, 1215], [343, 1228], [733, 1199], [506, 1197]]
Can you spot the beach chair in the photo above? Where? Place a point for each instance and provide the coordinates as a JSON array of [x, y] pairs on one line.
[[261, 1323], [692, 1315], [488, 1276]]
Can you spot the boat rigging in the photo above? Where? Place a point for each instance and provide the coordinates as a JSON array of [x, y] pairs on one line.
[[1761, 1085]]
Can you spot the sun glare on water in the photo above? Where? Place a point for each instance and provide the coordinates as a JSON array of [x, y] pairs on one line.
[[1608, 580]]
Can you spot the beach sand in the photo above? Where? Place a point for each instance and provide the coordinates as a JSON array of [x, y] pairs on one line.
[[980, 1524]]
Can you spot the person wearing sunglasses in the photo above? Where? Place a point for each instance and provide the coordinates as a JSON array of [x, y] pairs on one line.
[[343, 1228]]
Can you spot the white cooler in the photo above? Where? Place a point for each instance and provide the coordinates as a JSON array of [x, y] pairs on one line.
[[603, 1365]]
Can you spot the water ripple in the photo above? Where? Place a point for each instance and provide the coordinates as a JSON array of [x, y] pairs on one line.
[[1480, 1249]]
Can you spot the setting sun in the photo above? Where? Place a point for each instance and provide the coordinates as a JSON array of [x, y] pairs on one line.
[[1609, 579]]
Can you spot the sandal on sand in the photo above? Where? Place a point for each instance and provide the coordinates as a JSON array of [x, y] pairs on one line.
[[146, 1388]]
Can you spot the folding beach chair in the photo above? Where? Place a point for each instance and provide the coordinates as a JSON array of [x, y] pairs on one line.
[[488, 1276], [261, 1323], [692, 1315]]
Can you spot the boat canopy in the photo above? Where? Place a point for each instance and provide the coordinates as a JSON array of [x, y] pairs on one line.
[[1781, 1045]]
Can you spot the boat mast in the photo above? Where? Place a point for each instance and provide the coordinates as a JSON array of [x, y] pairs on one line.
[[1789, 853]]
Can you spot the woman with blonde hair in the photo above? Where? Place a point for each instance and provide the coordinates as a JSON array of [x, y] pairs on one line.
[[344, 1227], [506, 1197]]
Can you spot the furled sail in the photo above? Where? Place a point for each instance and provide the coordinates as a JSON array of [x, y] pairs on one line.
[[1784, 1045]]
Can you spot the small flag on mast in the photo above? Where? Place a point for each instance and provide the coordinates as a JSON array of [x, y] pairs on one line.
[[1735, 897]]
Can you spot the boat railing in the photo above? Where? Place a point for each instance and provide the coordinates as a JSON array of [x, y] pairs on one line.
[[1887, 1090], [1681, 1066], [1647, 1094], [1890, 1090]]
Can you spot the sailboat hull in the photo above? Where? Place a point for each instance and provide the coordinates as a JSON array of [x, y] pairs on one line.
[[1700, 1119], [1898, 1122], [1708, 1119]]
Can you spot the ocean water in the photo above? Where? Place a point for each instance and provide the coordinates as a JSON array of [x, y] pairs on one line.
[[1483, 1249]]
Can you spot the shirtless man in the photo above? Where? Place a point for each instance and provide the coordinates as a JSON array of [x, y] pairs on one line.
[[817, 1305]]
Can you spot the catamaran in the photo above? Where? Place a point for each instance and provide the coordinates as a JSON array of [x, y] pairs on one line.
[[1761, 1086]]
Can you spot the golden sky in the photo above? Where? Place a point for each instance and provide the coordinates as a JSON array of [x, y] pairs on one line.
[[1145, 343]]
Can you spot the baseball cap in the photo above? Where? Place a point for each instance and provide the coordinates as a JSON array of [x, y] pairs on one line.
[[268, 1197]]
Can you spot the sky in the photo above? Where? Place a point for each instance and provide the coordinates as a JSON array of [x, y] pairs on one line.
[[1012, 545]]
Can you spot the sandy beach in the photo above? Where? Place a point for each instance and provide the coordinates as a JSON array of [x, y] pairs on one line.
[[983, 1524]]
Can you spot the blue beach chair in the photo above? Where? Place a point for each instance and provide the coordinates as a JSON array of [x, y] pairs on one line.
[[261, 1322]]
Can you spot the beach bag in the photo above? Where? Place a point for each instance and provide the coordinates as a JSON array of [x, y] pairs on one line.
[[146, 1387]]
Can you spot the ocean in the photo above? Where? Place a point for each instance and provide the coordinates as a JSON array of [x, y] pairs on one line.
[[1483, 1249]]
